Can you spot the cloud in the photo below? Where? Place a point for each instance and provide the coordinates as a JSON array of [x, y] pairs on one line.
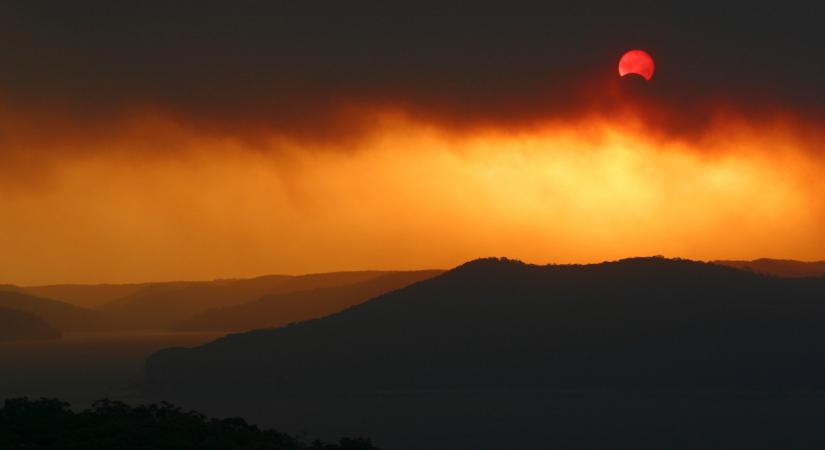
[[410, 195], [252, 137], [254, 68]]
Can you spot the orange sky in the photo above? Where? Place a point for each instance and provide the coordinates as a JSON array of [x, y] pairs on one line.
[[149, 197]]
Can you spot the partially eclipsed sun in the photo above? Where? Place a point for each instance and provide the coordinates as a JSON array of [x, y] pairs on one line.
[[637, 62]]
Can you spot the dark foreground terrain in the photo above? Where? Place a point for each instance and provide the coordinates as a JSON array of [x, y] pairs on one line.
[[51, 424], [639, 353]]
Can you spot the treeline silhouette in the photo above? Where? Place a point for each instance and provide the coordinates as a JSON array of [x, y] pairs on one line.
[[111, 425]]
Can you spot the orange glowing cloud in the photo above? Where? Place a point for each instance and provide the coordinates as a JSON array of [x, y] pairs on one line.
[[240, 141], [159, 200]]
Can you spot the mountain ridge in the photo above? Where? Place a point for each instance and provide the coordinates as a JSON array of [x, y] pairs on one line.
[[280, 309], [161, 307], [779, 267], [638, 321], [64, 316]]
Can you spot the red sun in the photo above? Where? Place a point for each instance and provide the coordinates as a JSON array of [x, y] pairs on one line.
[[637, 62]]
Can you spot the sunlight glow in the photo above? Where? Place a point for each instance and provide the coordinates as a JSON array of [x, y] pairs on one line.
[[413, 195]]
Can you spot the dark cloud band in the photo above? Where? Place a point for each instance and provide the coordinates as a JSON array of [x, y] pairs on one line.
[[294, 68]]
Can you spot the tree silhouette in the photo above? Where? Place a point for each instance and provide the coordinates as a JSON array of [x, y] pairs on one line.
[[51, 424]]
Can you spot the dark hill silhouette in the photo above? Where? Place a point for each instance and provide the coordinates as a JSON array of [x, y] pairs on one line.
[[86, 295], [779, 267], [10, 287], [281, 309], [159, 306], [491, 323], [17, 325], [64, 316]]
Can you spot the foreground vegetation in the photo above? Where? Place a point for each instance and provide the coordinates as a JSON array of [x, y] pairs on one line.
[[51, 424]]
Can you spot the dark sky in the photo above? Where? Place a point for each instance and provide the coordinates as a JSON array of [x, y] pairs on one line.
[[290, 66]]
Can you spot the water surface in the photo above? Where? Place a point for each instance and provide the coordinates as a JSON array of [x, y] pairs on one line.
[[84, 367]]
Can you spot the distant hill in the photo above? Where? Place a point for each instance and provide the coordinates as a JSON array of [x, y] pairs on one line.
[[281, 309], [493, 323], [86, 295], [779, 267], [161, 306], [17, 325], [64, 316], [10, 287]]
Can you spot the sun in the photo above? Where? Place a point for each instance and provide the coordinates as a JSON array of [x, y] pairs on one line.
[[637, 62]]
